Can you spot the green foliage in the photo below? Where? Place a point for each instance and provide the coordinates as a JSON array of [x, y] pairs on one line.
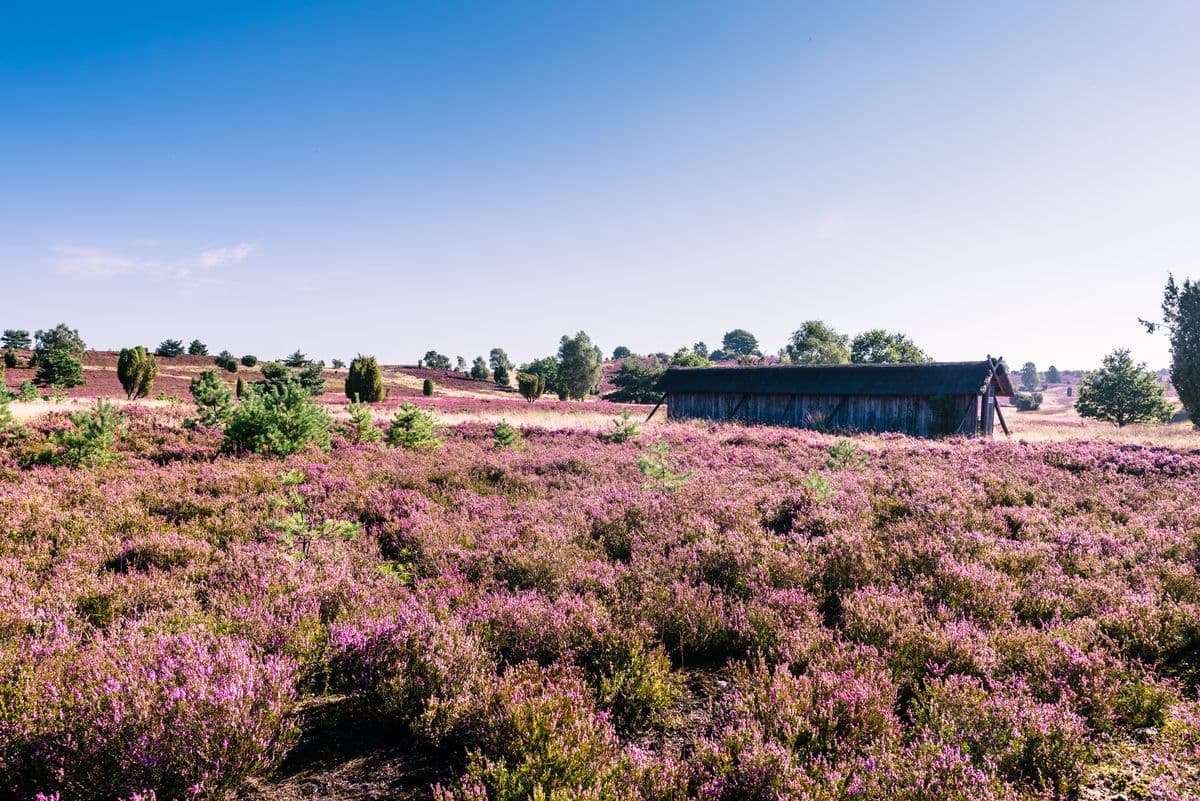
[[739, 342], [621, 352], [214, 401], [580, 365], [547, 368], [624, 429], [413, 428], [312, 378], [882, 347], [816, 342], [226, 361], [700, 349], [636, 382], [531, 386], [501, 366], [296, 359], [10, 359], [8, 423], [505, 436], [136, 370], [1181, 319], [362, 426], [1052, 375], [297, 534], [1027, 401], [633, 682], [427, 387], [15, 339], [844, 455], [59, 368], [249, 360], [435, 360], [820, 487], [240, 388], [479, 370], [93, 439], [277, 421], [169, 348], [337, 364], [197, 348], [657, 465], [61, 338], [1030, 380], [364, 381], [1122, 392], [28, 392], [688, 358]]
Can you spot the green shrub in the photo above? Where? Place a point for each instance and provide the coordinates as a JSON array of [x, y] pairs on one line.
[[362, 427], [213, 400], [657, 465], [277, 421], [624, 428], [226, 361], [10, 359], [91, 442], [427, 387], [480, 370], [364, 381], [505, 436], [844, 455], [531, 386], [633, 683], [296, 359], [28, 392], [337, 364], [413, 428], [136, 370], [59, 368], [249, 360], [240, 388], [8, 423], [169, 348], [1027, 401]]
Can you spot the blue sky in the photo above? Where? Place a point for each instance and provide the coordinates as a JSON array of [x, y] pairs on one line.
[[1013, 178]]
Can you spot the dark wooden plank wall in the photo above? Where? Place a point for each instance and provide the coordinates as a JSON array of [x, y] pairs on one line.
[[911, 414]]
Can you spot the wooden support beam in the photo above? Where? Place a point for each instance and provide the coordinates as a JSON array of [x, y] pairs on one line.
[[740, 404], [655, 409], [1000, 417], [787, 409]]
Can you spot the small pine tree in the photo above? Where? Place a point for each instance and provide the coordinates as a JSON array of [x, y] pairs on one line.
[[240, 388], [8, 423], [10, 359], [169, 348], [505, 436], [1052, 375], [296, 359], [364, 381], [278, 421], [624, 429], [214, 401], [197, 348], [16, 339], [59, 368], [657, 465], [28, 392], [413, 428], [1122, 392], [92, 442], [136, 370], [362, 427], [427, 387]]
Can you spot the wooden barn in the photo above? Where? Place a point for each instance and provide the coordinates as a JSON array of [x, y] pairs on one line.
[[924, 400]]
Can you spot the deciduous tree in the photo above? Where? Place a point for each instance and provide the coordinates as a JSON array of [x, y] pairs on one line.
[[1122, 392]]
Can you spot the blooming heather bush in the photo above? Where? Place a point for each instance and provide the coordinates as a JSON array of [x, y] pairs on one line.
[[178, 715]]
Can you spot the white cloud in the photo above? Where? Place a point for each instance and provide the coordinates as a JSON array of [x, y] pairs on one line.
[[96, 263]]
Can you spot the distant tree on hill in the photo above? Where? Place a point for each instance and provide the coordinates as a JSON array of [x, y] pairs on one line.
[[169, 348], [213, 399], [547, 369], [688, 358], [1122, 392], [460, 364], [337, 364], [500, 364], [621, 352], [226, 361], [15, 339], [427, 387], [249, 360], [882, 347], [1027, 401], [718, 355], [197, 348], [434, 360], [60, 337], [816, 342], [58, 353], [136, 370], [1181, 319], [296, 359], [635, 382], [700, 349], [364, 380], [10, 358], [479, 370], [739, 342], [1030, 380], [1052, 375], [580, 366]]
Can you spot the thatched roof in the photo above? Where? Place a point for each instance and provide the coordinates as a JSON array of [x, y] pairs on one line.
[[934, 378]]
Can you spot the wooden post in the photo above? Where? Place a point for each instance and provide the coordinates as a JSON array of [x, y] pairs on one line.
[[655, 409], [1000, 417]]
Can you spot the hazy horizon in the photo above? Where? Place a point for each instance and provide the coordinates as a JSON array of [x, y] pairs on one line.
[[1014, 179]]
